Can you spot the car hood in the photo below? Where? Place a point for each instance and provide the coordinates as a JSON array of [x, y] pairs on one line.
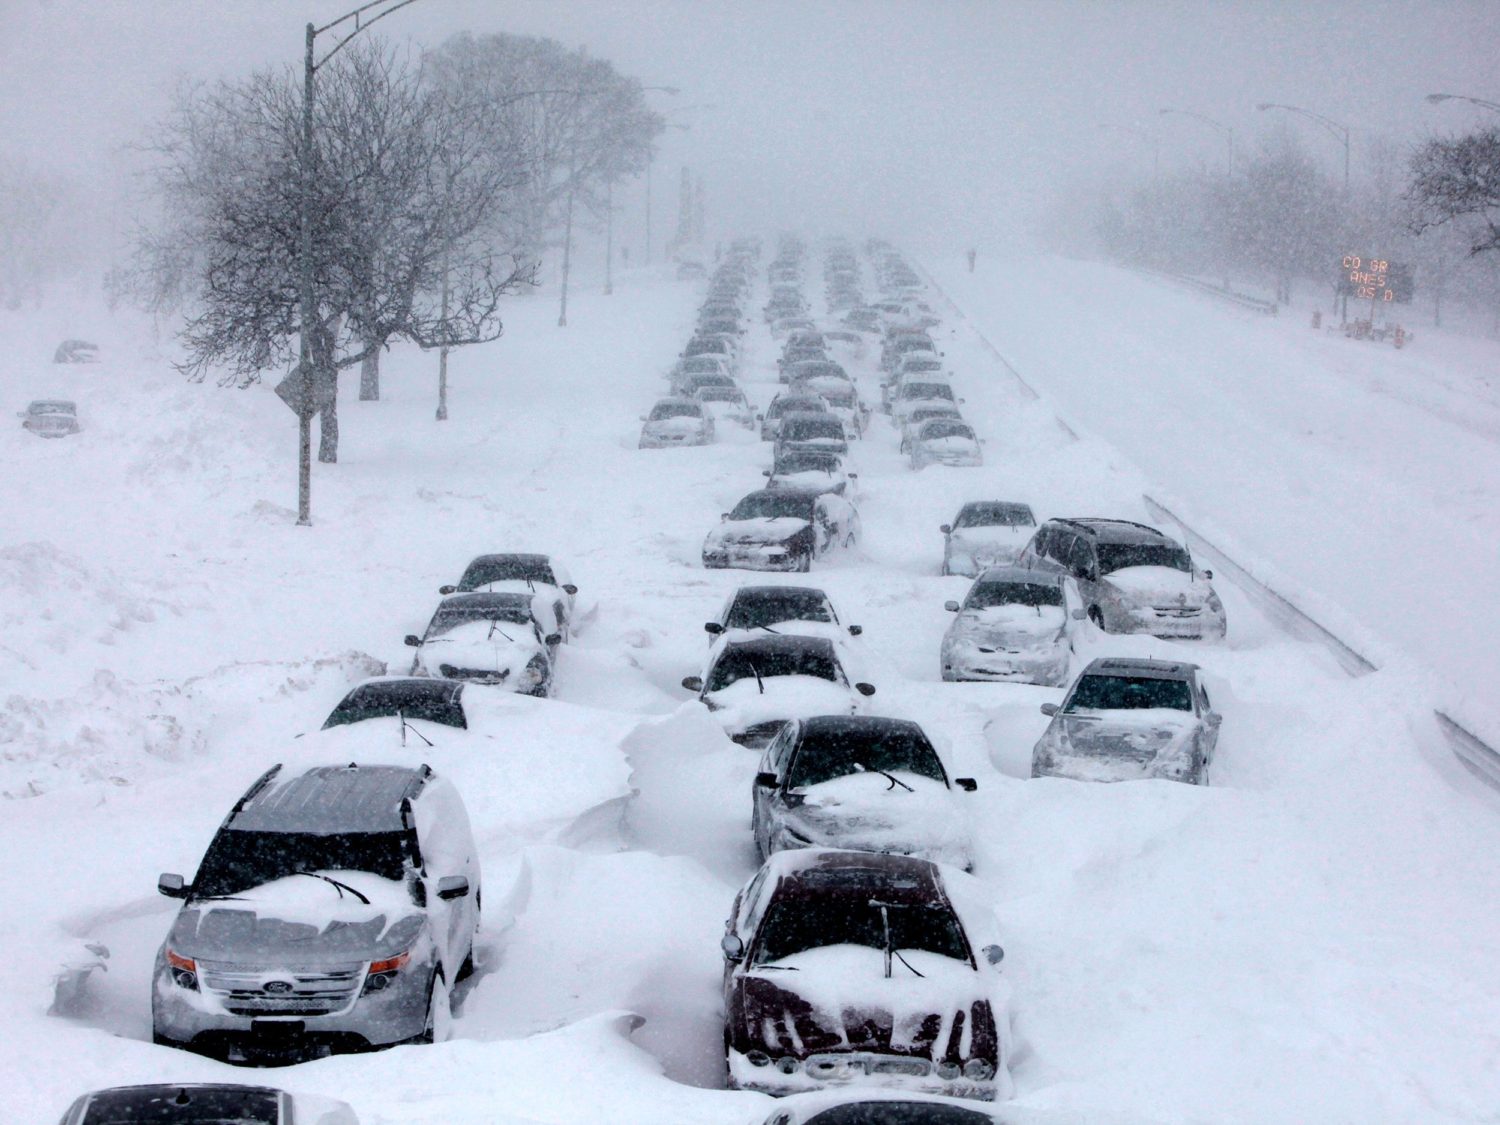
[[472, 646], [302, 920], [1121, 744], [811, 479], [1150, 583], [867, 812], [952, 445], [679, 425], [767, 529], [1015, 625], [742, 704], [996, 541]]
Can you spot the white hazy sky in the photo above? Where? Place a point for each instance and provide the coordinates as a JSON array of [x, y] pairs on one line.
[[946, 119]]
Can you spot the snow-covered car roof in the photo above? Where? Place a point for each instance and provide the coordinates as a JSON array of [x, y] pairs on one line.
[[51, 406], [1118, 531]]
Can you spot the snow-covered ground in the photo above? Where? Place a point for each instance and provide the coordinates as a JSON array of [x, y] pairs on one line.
[[1310, 940]]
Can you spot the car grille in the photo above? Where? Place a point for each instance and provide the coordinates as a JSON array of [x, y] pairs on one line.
[[247, 991], [1177, 611]]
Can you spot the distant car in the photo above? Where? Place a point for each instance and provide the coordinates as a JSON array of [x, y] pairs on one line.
[[854, 1105], [1132, 578], [911, 420], [805, 371], [863, 319], [910, 394], [507, 640], [206, 1103], [1127, 719], [945, 441], [712, 345], [789, 402], [333, 911], [820, 432], [542, 575], [1013, 624], [855, 968], [755, 685], [675, 422], [728, 404], [697, 365], [844, 402], [985, 533], [50, 418], [858, 781], [807, 470], [781, 529], [76, 351], [771, 610], [904, 344]]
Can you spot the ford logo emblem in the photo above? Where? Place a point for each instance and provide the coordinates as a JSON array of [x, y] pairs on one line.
[[279, 987]]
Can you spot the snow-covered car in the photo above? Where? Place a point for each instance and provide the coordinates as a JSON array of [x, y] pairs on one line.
[[902, 344], [760, 610], [861, 782], [727, 404], [1127, 719], [541, 575], [333, 910], [719, 323], [919, 366], [676, 422], [823, 432], [779, 529], [785, 326], [206, 1103], [910, 394], [789, 402], [855, 969], [1132, 578], [1014, 625], [844, 402], [50, 417], [754, 686], [811, 470], [912, 419], [863, 319], [945, 441], [803, 371], [882, 1107], [688, 385], [506, 640], [985, 533], [76, 351], [712, 345], [847, 341]]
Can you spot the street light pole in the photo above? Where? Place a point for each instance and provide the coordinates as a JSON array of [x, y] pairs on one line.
[[1218, 126], [1435, 98], [1338, 131]]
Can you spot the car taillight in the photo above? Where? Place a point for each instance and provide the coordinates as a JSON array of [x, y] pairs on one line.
[[382, 973], [184, 971]]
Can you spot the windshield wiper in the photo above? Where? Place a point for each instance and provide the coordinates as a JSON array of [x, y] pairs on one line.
[[339, 886], [405, 726], [891, 950], [760, 683], [894, 780], [495, 628], [768, 629]]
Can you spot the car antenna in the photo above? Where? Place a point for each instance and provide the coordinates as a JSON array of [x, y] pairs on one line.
[[405, 726]]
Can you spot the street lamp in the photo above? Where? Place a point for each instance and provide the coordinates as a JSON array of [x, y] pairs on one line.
[[305, 394], [1218, 126], [1435, 98], [1149, 135], [1339, 132], [651, 160]]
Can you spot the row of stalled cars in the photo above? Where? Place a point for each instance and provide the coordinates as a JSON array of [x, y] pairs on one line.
[[860, 968]]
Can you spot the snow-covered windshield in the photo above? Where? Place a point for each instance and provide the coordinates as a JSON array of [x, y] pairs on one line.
[[805, 429], [927, 390], [700, 365], [435, 701], [993, 515], [184, 1105], [808, 404], [664, 410], [944, 428], [1130, 693], [449, 617], [923, 363], [238, 860], [736, 663], [774, 505], [807, 461], [507, 568], [1032, 594], [1119, 556], [783, 605], [718, 394], [826, 754], [793, 926]]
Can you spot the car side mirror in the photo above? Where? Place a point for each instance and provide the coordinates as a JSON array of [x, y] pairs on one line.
[[767, 780], [569, 588], [856, 630], [1049, 709], [412, 641], [1209, 575], [713, 627], [865, 689], [723, 515], [553, 639], [853, 476], [765, 472], [693, 683], [1080, 614], [951, 606], [1213, 718], [967, 784], [946, 529], [447, 589], [451, 887], [733, 947], [172, 885], [994, 954]]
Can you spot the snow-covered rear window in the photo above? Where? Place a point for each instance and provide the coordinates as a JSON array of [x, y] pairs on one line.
[[899, 1113], [774, 505], [1120, 556], [736, 664], [1033, 594], [824, 755], [1130, 693], [238, 860]]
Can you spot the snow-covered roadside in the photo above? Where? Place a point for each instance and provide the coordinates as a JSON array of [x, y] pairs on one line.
[[1306, 941]]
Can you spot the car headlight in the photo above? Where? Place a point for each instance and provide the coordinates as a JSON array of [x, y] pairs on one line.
[[382, 974], [183, 971]]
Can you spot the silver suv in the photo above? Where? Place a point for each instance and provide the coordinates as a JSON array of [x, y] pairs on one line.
[[1131, 578], [332, 911]]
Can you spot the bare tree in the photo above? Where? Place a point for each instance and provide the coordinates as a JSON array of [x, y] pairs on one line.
[[1455, 178]]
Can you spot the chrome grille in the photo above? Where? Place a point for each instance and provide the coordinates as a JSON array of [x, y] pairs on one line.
[[255, 991]]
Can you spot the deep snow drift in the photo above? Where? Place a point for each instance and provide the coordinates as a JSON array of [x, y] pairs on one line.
[[1309, 940]]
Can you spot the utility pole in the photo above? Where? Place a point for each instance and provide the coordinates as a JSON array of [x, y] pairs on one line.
[[562, 312]]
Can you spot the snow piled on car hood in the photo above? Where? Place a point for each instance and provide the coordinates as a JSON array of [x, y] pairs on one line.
[[742, 704], [1147, 582], [1019, 621], [763, 529], [867, 811]]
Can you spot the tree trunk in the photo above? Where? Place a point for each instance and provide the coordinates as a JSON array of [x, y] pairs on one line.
[[328, 433], [369, 377]]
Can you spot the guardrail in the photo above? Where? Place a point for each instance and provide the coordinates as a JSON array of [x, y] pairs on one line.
[[1243, 300], [1482, 759]]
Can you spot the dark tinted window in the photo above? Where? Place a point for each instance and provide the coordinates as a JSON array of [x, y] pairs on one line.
[[899, 1113], [992, 515], [753, 611], [986, 594], [736, 664], [795, 925], [664, 410], [507, 568], [771, 505], [788, 405], [927, 390], [805, 429], [1130, 693], [936, 428], [237, 860], [1118, 556], [826, 754], [807, 461], [180, 1105], [435, 702], [449, 617]]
